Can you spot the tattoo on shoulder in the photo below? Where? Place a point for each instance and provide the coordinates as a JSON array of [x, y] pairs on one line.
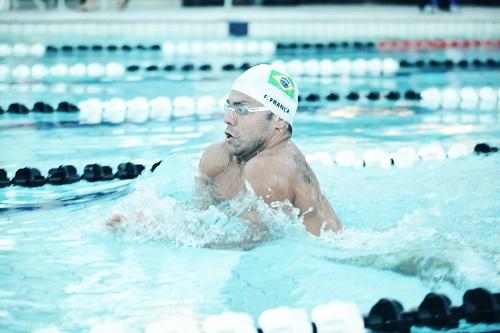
[[304, 169]]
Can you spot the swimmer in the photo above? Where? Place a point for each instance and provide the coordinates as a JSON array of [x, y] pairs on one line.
[[257, 150]]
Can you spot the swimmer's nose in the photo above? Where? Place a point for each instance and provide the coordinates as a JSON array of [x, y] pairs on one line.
[[230, 118]]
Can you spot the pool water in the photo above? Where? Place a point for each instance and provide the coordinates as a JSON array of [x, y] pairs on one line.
[[407, 231]]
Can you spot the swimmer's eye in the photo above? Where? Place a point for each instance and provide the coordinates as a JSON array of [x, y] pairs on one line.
[[243, 109], [239, 110]]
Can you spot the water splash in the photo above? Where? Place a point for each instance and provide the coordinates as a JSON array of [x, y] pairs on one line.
[[415, 247], [239, 223]]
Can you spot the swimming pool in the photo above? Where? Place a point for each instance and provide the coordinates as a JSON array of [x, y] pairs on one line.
[[407, 230]]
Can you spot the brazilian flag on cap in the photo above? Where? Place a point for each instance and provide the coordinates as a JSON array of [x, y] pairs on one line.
[[282, 82]]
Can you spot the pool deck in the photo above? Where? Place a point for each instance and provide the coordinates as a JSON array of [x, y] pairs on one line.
[[257, 13], [279, 23]]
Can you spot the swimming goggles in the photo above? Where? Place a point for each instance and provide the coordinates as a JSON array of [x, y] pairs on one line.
[[243, 109]]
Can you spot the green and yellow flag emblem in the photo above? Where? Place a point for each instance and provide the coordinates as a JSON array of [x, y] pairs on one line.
[[282, 82]]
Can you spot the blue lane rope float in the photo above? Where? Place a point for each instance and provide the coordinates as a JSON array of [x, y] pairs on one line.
[[435, 311], [67, 174], [312, 68], [432, 97], [247, 46], [479, 306]]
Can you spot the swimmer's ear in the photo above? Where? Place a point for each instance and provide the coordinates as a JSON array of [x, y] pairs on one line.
[[280, 124]]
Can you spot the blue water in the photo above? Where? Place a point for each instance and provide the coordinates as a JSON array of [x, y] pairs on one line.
[[430, 227]]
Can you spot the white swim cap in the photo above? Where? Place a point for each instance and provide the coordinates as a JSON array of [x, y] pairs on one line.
[[272, 87]]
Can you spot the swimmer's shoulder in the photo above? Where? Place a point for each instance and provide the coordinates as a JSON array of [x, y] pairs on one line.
[[215, 159], [273, 163]]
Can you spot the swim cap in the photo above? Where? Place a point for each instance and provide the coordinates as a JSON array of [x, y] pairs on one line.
[[272, 87]]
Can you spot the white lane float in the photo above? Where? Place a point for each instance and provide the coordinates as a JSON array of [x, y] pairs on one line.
[[173, 324], [95, 70], [431, 152], [405, 157], [184, 106], [322, 157], [20, 50], [90, 111], [338, 317], [37, 50], [21, 72], [206, 106], [58, 70], [374, 67], [326, 68], [229, 322], [77, 70], [112, 326], [450, 98], [160, 108], [458, 150], [114, 111], [137, 110], [39, 71], [348, 159], [311, 68], [285, 319], [5, 50], [114, 69], [389, 66], [376, 157], [359, 67]]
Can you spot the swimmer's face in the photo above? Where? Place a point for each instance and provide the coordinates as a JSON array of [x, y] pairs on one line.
[[248, 132]]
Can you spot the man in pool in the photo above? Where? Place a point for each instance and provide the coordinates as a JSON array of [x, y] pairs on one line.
[[257, 150]]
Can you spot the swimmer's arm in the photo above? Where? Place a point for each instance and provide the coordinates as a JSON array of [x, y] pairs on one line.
[[211, 163], [318, 213]]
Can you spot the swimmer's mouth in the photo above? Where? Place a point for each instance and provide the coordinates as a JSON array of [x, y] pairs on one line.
[[229, 135]]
